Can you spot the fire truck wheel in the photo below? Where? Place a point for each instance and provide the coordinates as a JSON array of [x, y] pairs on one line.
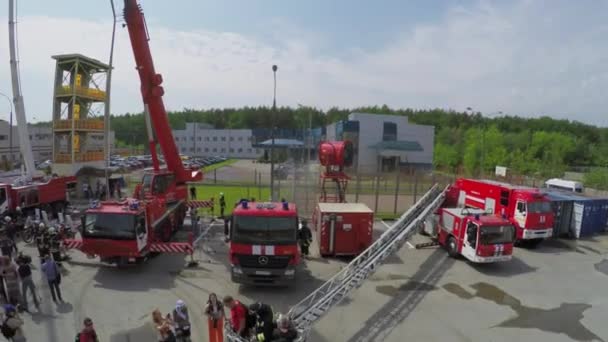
[[451, 247]]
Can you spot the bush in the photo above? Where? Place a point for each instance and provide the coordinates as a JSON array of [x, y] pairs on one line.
[[596, 179]]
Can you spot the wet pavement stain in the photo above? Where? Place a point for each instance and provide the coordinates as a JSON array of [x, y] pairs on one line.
[[390, 276], [602, 266], [591, 249], [392, 291], [559, 244], [565, 319]]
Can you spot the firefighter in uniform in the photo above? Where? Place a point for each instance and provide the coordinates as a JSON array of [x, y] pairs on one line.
[[304, 238], [264, 321], [42, 242], [55, 245]]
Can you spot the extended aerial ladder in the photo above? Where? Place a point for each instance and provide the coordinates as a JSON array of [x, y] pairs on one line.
[[312, 308], [24, 141]]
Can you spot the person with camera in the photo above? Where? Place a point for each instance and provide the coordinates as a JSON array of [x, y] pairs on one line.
[[181, 321], [27, 283], [215, 314]]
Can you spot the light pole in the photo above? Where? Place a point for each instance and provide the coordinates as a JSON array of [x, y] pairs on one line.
[[10, 126], [274, 118]]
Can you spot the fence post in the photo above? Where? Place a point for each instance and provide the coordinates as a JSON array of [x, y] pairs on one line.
[[415, 186], [260, 188], [293, 186], [398, 181], [215, 176], [255, 176], [377, 192], [358, 186]]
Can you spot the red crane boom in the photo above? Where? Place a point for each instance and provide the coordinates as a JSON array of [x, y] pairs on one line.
[[152, 94]]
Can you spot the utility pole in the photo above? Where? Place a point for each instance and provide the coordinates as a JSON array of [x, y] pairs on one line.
[[106, 116], [274, 118]]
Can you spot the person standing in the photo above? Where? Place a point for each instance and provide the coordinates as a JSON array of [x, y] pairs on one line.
[[53, 277], [163, 326], [193, 192], [88, 333], [25, 274], [285, 331], [222, 204], [13, 324], [264, 320], [215, 318], [11, 281], [227, 227], [238, 316], [304, 238], [181, 320]]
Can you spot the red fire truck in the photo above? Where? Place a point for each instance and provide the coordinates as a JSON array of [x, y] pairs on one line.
[[473, 233], [126, 232], [527, 208], [263, 243], [51, 195]]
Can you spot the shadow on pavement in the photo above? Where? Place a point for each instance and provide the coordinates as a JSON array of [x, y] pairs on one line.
[[405, 299], [504, 269], [143, 333]]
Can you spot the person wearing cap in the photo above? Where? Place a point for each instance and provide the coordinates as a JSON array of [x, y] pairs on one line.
[[222, 204], [53, 277], [284, 331], [304, 238], [14, 322], [181, 320], [88, 333]]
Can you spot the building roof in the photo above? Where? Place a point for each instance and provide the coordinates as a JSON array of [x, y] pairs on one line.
[[280, 143], [93, 62], [399, 145], [344, 208]]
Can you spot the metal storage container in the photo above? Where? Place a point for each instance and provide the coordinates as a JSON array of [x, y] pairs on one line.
[[562, 207], [589, 215], [343, 228]]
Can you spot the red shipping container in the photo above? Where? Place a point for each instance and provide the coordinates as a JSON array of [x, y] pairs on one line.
[[343, 228]]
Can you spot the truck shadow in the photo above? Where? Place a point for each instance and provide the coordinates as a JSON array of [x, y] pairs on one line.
[[405, 299], [557, 246], [504, 269], [156, 273]]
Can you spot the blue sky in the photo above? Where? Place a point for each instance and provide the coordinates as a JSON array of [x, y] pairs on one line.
[[520, 57]]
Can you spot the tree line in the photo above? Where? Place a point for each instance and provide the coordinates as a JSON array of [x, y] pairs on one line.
[[465, 142]]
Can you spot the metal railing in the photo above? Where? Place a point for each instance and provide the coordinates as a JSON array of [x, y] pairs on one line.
[[91, 93], [93, 124]]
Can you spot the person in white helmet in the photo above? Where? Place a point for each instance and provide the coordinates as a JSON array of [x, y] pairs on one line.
[[181, 321], [42, 241]]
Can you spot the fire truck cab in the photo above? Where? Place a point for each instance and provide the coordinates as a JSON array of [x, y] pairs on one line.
[[475, 234], [263, 243], [528, 209]]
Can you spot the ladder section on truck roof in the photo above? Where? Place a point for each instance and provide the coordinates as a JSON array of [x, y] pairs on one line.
[[305, 313]]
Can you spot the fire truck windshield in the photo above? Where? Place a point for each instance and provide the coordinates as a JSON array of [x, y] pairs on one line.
[[539, 207], [490, 235], [109, 226], [264, 230]]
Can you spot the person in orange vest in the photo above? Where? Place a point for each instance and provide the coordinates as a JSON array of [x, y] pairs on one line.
[[215, 315]]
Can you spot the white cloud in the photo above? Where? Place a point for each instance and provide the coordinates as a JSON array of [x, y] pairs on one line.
[[528, 58]]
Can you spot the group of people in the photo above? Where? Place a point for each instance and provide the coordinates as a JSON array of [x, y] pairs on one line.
[[173, 327]]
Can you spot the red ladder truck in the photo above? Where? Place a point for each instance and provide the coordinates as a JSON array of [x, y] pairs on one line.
[[527, 208], [263, 243], [128, 231]]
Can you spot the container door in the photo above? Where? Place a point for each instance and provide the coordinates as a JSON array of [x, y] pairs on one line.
[[577, 220], [462, 196], [567, 207], [346, 236]]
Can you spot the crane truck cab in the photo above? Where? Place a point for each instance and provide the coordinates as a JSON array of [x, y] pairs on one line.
[[263, 243], [477, 235]]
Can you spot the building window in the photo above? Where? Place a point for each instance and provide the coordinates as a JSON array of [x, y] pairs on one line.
[[240, 138], [206, 138], [390, 131], [191, 138], [200, 139], [223, 150], [3, 137], [198, 149], [214, 138], [240, 150], [249, 150], [249, 138], [191, 149], [215, 150], [231, 138], [206, 149], [223, 138]]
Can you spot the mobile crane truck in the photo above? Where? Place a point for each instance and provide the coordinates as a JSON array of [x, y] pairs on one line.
[[130, 230]]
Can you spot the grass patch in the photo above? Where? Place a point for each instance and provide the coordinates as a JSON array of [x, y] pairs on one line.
[[219, 165], [387, 216], [233, 194]]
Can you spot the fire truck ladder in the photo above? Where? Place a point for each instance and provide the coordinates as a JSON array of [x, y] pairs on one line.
[[312, 308]]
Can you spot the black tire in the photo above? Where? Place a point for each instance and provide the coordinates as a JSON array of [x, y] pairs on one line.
[[532, 244], [452, 247]]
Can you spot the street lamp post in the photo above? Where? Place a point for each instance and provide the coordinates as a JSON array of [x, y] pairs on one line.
[[10, 126], [274, 118]]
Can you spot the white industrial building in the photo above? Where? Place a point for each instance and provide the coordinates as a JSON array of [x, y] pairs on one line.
[[201, 140], [41, 138], [383, 141]]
